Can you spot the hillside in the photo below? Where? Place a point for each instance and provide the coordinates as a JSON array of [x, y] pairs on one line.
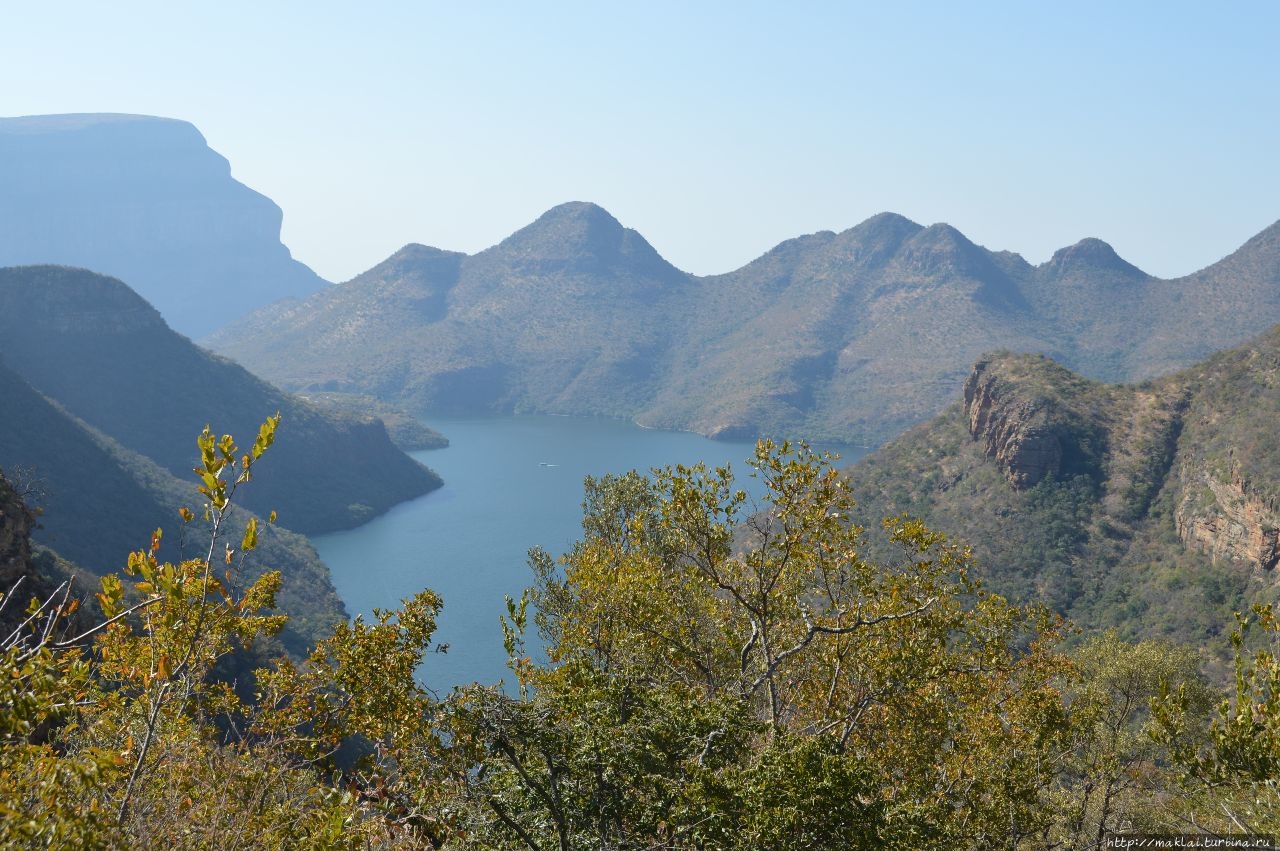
[[1151, 508], [145, 200], [106, 357], [847, 337], [98, 502]]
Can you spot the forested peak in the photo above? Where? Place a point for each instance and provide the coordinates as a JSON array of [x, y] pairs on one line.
[[61, 299], [415, 259], [582, 236], [941, 250], [1091, 255], [888, 221]]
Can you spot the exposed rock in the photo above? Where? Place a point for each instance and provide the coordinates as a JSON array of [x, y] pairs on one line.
[[1226, 519], [1017, 431]]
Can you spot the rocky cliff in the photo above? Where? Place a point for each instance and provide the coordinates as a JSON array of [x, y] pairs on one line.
[[1226, 519], [1153, 509], [147, 201], [1018, 433]]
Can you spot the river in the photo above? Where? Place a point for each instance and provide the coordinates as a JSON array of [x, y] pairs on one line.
[[511, 483]]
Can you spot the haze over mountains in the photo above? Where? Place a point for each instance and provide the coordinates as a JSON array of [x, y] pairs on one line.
[[143, 199], [836, 337], [841, 337]]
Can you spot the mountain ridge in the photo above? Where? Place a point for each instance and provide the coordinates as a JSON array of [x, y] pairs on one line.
[[842, 337], [97, 348]]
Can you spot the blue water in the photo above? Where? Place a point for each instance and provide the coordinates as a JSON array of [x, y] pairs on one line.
[[510, 484]]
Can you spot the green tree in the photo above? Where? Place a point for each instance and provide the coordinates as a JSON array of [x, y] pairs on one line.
[[1231, 775], [925, 704], [1115, 773], [123, 735]]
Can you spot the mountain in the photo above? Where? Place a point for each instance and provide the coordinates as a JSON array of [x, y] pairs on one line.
[[106, 357], [843, 337], [98, 502], [1150, 508], [568, 314], [146, 200]]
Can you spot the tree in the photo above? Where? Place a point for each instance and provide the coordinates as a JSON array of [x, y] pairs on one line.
[[1114, 775], [1231, 774], [123, 734], [930, 702]]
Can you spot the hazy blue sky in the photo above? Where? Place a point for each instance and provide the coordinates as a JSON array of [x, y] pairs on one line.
[[714, 129]]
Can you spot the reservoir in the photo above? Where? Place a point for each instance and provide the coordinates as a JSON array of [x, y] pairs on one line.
[[511, 483]]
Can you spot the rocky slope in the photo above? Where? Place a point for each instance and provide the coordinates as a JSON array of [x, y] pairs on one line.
[[144, 199], [840, 337], [107, 358], [1149, 508]]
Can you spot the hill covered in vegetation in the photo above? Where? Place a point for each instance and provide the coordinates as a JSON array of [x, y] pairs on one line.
[[105, 356], [102, 402], [1153, 508], [843, 337], [99, 501]]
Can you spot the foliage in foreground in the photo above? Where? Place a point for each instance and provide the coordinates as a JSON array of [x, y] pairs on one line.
[[720, 678]]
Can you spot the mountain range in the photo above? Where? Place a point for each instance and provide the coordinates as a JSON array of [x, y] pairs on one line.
[[146, 200], [844, 337]]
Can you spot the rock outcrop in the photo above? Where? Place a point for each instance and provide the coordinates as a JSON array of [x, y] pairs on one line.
[[145, 200], [1226, 519], [1019, 433]]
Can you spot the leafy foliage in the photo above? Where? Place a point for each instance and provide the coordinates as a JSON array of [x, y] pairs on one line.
[[719, 678]]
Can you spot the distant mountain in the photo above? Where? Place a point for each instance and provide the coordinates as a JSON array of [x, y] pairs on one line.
[[1151, 508], [570, 314], [105, 356], [842, 337], [144, 199]]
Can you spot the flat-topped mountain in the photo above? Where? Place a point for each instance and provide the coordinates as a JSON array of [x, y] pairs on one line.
[[842, 337], [1151, 508], [145, 200]]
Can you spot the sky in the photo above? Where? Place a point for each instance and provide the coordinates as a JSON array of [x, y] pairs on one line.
[[715, 129]]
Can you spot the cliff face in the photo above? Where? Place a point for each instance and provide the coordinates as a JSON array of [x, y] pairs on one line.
[[1018, 433], [1152, 509], [145, 200], [1226, 519], [1032, 433]]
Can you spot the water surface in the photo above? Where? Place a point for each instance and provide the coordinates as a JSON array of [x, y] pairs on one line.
[[510, 484]]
